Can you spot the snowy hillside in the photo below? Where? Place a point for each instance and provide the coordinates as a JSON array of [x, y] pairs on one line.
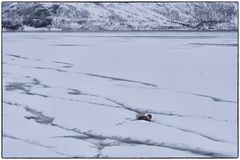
[[119, 16], [78, 94]]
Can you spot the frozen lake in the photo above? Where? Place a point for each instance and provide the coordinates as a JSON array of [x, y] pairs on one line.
[[78, 94]]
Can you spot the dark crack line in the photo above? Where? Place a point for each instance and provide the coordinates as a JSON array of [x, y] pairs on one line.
[[82, 137], [37, 67], [180, 91], [187, 116], [46, 68], [63, 154], [37, 144], [138, 111], [191, 131], [25, 58], [214, 98], [199, 95], [65, 63], [17, 56], [9, 136], [120, 79], [27, 141]]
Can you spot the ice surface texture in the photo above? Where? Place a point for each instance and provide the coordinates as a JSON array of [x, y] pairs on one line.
[[79, 94]]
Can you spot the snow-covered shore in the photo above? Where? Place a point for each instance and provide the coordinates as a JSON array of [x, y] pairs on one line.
[[196, 16]]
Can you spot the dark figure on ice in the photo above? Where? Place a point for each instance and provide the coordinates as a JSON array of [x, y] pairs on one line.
[[145, 118]]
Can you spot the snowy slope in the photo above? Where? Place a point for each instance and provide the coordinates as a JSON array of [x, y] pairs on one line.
[[78, 94], [120, 16]]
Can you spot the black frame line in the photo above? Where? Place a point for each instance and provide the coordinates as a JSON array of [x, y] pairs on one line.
[[121, 31]]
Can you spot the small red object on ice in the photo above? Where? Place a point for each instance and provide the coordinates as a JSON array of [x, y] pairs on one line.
[[145, 118]]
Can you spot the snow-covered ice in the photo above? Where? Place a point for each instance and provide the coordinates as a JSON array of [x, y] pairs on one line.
[[78, 94]]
